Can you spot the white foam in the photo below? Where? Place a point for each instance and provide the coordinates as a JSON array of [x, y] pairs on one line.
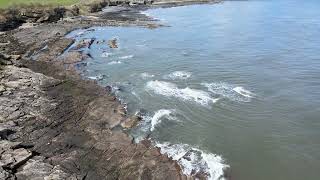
[[114, 62], [180, 75], [156, 119], [126, 57], [187, 94], [98, 77], [146, 75], [230, 91], [106, 54], [240, 90], [80, 33], [195, 161], [145, 13]]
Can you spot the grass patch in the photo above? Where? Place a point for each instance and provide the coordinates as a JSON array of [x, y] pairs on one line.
[[13, 3]]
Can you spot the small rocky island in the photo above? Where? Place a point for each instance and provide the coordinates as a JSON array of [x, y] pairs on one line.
[[53, 123]]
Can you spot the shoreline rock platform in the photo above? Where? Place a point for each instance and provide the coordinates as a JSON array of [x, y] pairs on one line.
[[56, 125]]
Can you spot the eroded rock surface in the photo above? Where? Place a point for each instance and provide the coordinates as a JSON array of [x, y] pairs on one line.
[[64, 129]]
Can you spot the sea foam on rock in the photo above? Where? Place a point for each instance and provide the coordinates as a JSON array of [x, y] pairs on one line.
[[187, 94], [195, 162]]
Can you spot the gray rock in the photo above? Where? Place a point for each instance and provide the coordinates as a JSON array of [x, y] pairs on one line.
[[6, 129], [84, 43], [14, 158], [5, 175]]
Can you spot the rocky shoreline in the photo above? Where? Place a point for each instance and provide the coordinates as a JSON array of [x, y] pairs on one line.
[[56, 125]]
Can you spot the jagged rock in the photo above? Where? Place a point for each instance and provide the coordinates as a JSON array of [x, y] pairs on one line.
[[5, 145], [14, 158], [5, 175], [84, 43], [36, 168], [2, 89], [113, 43], [131, 122]]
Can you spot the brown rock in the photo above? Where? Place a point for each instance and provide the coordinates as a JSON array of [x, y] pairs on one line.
[[84, 43], [74, 57], [131, 122], [113, 43]]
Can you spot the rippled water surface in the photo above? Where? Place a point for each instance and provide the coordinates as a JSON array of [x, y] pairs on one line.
[[238, 81]]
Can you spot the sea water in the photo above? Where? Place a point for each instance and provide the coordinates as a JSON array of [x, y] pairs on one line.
[[230, 85]]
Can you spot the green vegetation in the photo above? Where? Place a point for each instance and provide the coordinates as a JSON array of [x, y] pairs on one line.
[[12, 3]]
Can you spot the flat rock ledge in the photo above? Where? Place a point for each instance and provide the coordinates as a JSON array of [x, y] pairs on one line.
[[53, 128]]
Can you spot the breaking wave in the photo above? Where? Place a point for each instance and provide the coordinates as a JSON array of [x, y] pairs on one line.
[[194, 161], [240, 90], [98, 77], [187, 94], [114, 62], [179, 75], [156, 119], [106, 54], [146, 75], [126, 57], [234, 93]]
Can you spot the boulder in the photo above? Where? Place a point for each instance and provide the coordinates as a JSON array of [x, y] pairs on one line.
[[113, 43]]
